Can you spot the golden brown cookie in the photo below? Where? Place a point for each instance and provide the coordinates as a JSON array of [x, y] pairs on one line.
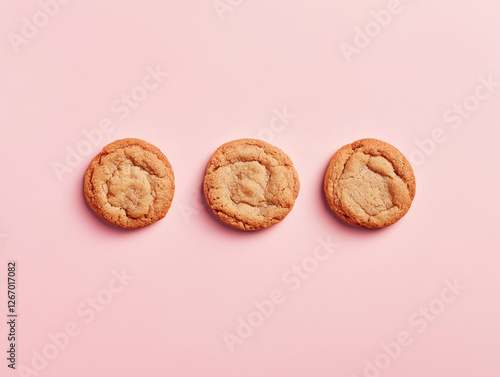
[[251, 184], [370, 183], [130, 184]]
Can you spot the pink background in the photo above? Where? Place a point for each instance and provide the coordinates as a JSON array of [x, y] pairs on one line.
[[194, 276]]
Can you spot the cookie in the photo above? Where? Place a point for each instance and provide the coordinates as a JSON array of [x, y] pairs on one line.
[[251, 184], [130, 184], [370, 183]]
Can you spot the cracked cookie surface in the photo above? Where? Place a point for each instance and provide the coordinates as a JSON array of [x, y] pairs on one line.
[[251, 184], [130, 184], [370, 183]]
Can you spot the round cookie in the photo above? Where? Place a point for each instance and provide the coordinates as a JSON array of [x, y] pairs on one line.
[[370, 183], [251, 184], [130, 184]]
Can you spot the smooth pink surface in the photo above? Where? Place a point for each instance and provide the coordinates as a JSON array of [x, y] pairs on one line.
[[194, 276]]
